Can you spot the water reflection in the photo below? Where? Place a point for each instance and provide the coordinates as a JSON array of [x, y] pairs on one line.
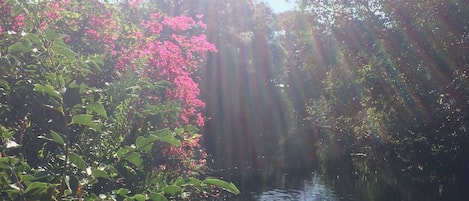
[[344, 180], [310, 188]]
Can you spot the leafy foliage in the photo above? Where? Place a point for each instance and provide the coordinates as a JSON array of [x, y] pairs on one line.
[[97, 104], [387, 76]]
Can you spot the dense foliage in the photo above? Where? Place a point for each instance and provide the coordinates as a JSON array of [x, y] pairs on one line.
[[383, 85], [100, 101]]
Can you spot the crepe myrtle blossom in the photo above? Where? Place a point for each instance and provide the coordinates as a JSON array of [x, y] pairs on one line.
[[171, 59]]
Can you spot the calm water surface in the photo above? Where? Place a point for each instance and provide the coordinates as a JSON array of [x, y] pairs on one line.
[[317, 187], [307, 188]]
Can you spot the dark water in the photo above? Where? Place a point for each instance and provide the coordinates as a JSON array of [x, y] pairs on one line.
[[327, 186], [307, 188], [342, 177]]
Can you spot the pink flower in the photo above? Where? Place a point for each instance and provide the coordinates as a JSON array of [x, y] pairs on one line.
[[202, 25], [153, 26], [134, 3], [53, 12], [68, 39], [179, 23], [18, 23], [172, 60], [92, 34], [43, 26]]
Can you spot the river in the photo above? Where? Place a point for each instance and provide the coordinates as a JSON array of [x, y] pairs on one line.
[[307, 188], [317, 186], [299, 173]]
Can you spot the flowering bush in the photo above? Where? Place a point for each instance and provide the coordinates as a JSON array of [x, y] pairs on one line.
[[100, 102]]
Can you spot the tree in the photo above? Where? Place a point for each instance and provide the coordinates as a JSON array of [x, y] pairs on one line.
[[397, 86]]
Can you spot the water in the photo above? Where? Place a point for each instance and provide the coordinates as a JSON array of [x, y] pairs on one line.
[[310, 187], [317, 186], [310, 190], [342, 180]]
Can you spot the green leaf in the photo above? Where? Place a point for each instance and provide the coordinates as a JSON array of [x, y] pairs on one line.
[[6, 162], [93, 65], [167, 136], [179, 130], [10, 160], [61, 80], [99, 174], [60, 48], [98, 108], [48, 89], [123, 151], [139, 197], [187, 181], [4, 84], [78, 161], [99, 59], [86, 120], [27, 179], [172, 190], [20, 47], [123, 191], [230, 187], [43, 175], [145, 144], [134, 158], [141, 142], [57, 138], [36, 188], [157, 197], [171, 140], [52, 35], [34, 38], [17, 9], [56, 105]]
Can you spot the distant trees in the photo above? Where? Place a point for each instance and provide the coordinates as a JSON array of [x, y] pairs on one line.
[[385, 77], [238, 84]]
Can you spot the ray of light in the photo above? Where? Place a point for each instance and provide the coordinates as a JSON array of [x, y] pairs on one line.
[[247, 109]]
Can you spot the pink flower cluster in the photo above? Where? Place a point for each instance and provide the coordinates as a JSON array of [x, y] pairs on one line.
[[134, 3], [18, 23], [13, 23], [170, 59], [53, 12], [179, 23], [103, 30], [153, 26]]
